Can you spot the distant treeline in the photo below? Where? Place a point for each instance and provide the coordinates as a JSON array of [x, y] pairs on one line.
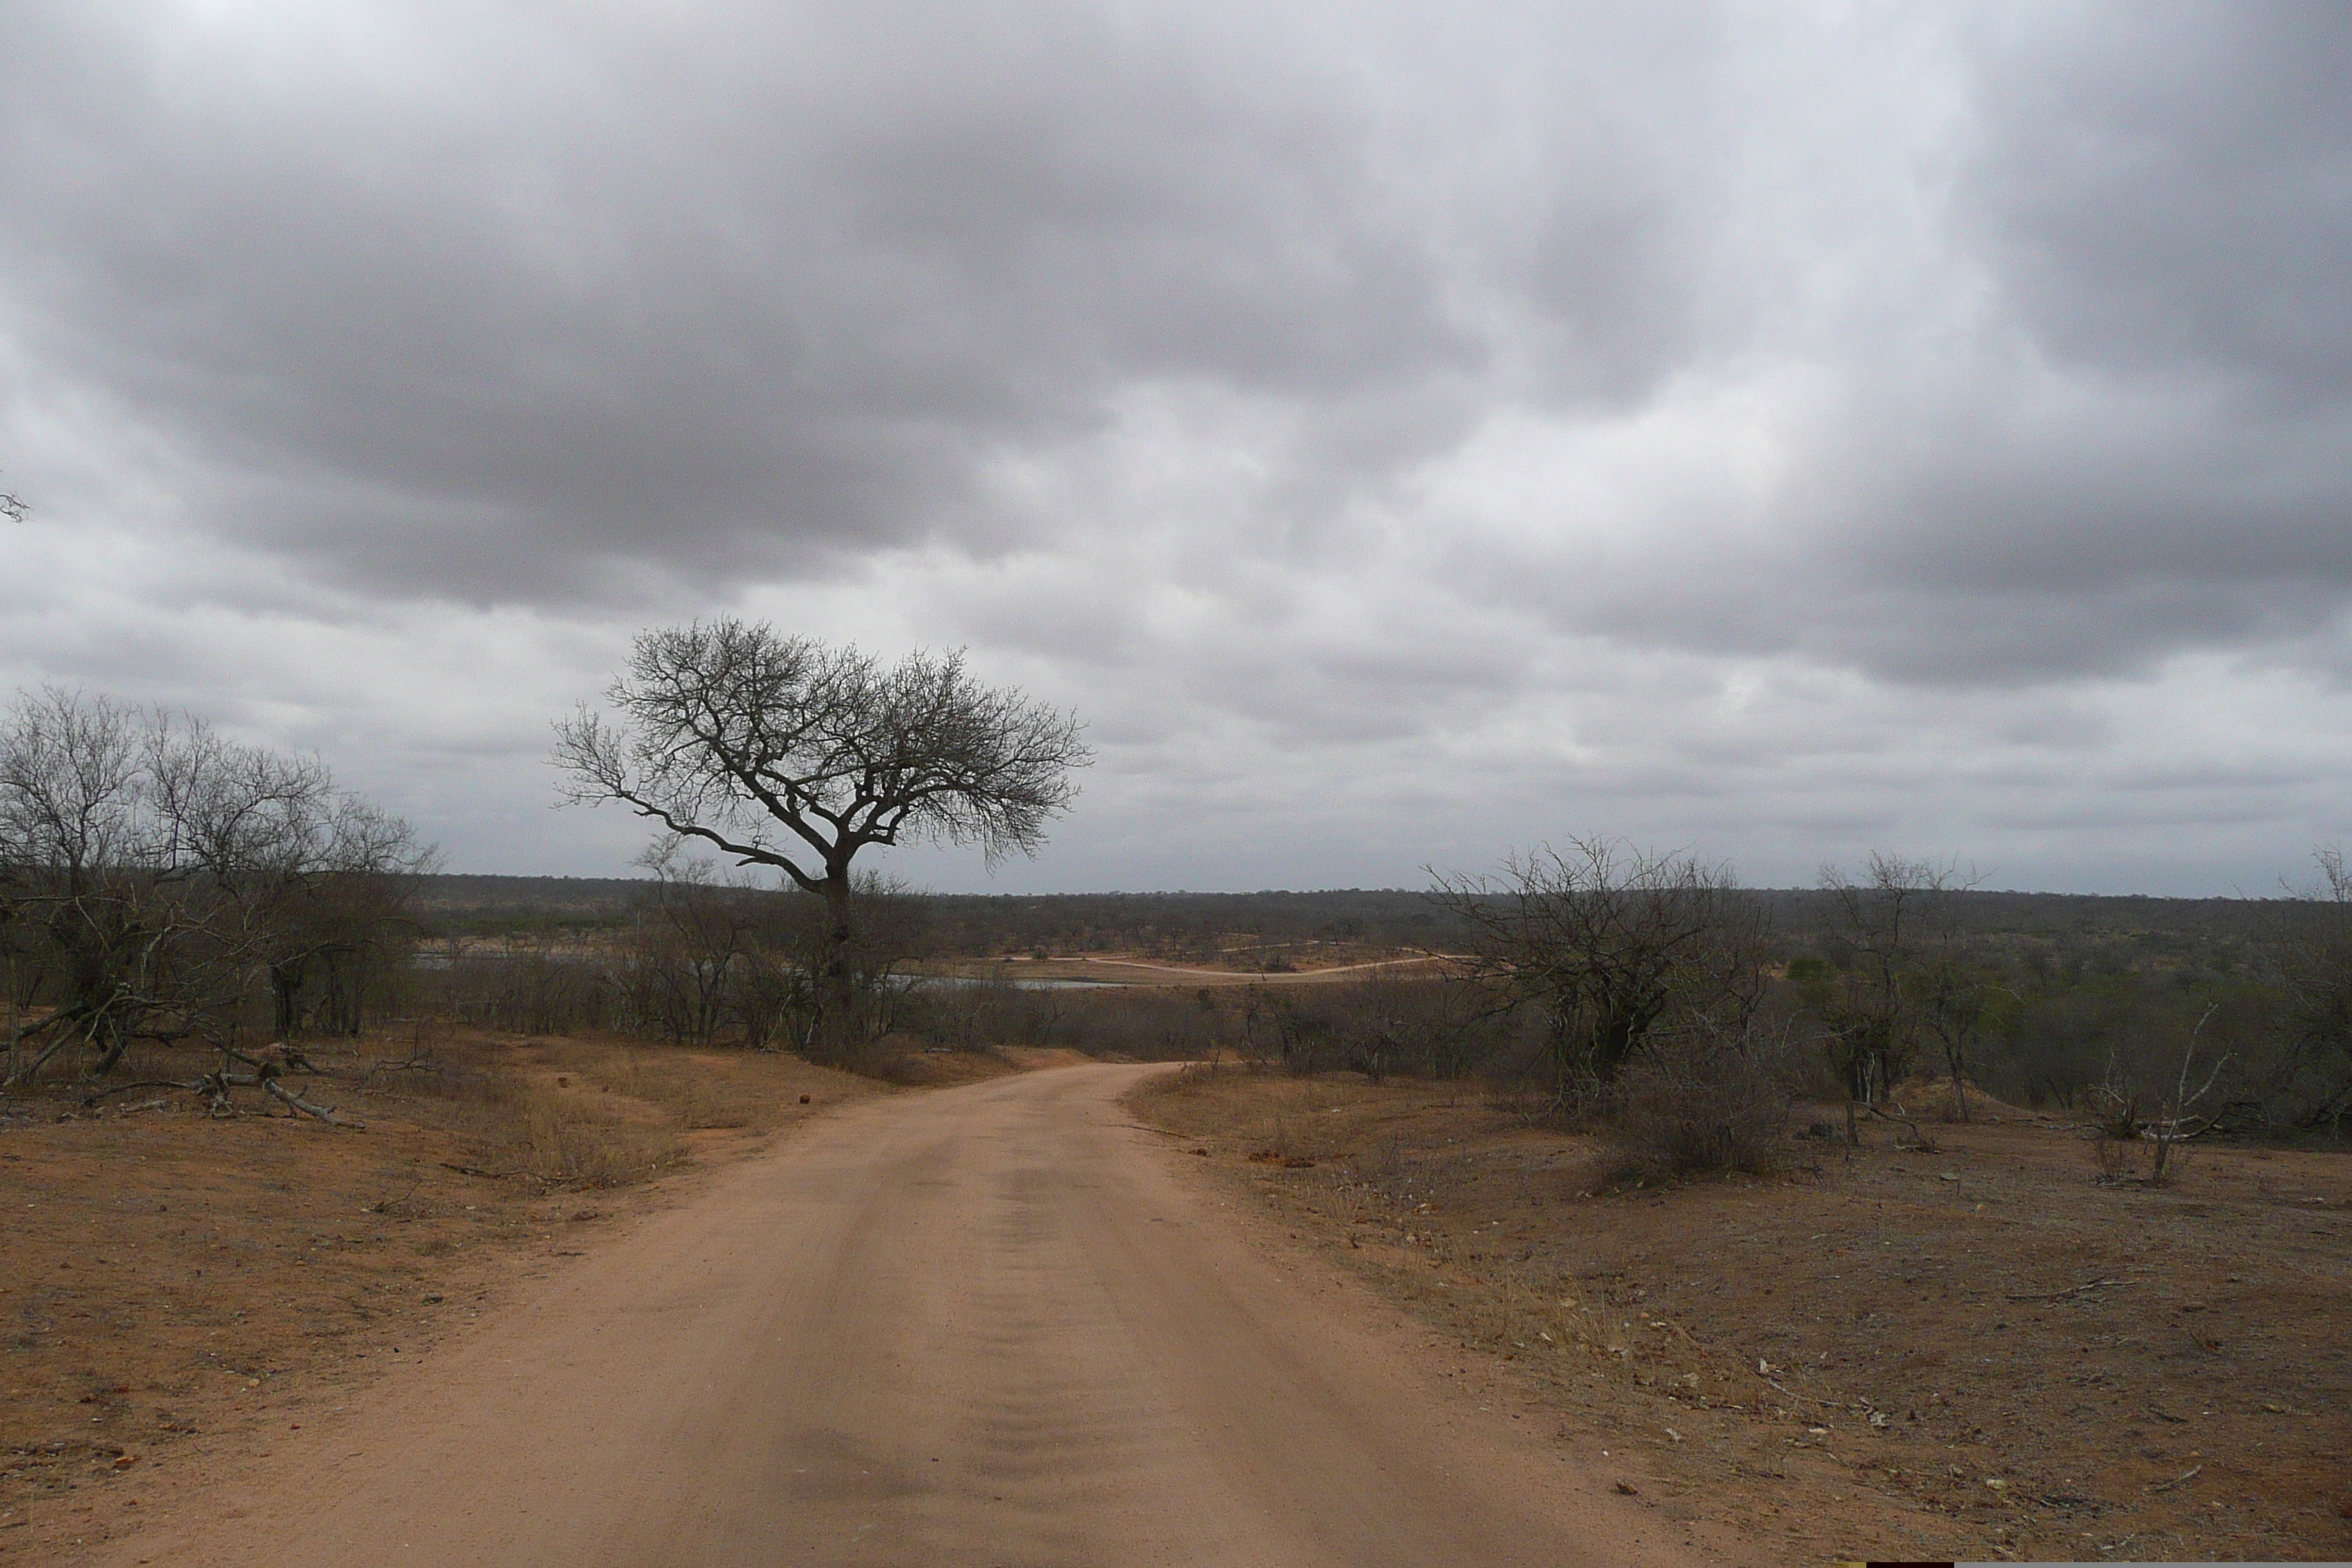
[[2216, 1014], [1202, 926], [2104, 931], [456, 905]]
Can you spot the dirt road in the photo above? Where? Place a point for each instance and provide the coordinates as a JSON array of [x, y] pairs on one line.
[[993, 1325]]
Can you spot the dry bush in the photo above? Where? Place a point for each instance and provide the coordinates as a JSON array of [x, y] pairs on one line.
[[976, 1013], [1700, 1103], [567, 1140], [2112, 1155], [1145, 1025], [1412, 1023], [1530, 1316], [527, 991]]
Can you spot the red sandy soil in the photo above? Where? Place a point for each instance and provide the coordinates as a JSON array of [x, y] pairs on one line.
[[996, 1323], [174, 1288]]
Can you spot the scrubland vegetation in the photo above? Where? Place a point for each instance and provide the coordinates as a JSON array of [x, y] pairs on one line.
[[160, 886], [1573, 989]]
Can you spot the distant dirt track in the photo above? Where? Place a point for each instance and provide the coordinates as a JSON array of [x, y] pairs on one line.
[[991, 1325]]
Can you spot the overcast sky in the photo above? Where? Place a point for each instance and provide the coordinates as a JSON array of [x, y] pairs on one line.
[[1403, 432]]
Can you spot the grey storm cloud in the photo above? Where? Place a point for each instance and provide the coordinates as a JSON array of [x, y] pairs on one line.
[[2170, 192], [448, 290], [480, 307], [1533, 389]]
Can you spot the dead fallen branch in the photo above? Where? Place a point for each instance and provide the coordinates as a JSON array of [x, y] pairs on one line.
[[1920, 1140], [1796, 1398], [325, 1113], [415, 1061], [2069, 1295], [495, 1175], [215, 1087]]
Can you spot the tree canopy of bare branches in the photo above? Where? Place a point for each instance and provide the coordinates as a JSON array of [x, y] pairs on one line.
[[1612, 944], [153, 876], [781, 752], [2312, 1084], [1902, 982]]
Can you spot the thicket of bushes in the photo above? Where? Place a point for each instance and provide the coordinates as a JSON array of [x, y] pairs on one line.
[[1648, 996], [160, 885]]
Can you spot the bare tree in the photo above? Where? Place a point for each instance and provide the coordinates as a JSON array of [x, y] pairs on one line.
[[1953, 994], [714, 954], [78, 851], [2311, 1084], [1414, 1021], [340, 920], [150, 874], [325, 873], [2148, 1082], [2177, 1120], [1872, 1006], [783, 752], [1611, 942]]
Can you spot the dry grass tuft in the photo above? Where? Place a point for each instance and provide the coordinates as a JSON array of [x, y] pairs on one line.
[[568, 1141], [1191, 1079]]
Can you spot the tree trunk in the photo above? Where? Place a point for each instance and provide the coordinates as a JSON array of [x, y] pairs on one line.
[[286, 997], [1621, 1032], [837, 984]]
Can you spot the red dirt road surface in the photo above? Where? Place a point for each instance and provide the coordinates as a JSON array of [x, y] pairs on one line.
[[991, 1325]]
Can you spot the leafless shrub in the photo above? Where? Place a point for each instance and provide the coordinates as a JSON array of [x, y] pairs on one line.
[[534, 990], [1903, 978], [1139, 1024], [1702, 1101], [1611, 946], [976, 1013], [2308, 1088], [1192, 1079], [2112, 1155], [1416, 1022], [2144, 1101]]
